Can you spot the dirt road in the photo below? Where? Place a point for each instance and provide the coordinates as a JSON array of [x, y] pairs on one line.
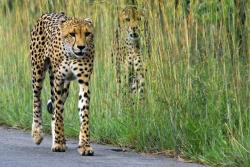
[[18, 150]]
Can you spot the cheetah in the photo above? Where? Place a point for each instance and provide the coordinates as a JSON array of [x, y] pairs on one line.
[[127, 50], [64, 47]]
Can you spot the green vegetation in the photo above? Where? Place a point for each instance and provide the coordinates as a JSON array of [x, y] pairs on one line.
[[197, 82]]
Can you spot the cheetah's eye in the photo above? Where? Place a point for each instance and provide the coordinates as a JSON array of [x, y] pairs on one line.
[[72, 34], [127, 19], [87, 34]]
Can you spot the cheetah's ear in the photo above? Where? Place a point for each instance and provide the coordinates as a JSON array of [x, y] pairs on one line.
[[142, 13], [62, 17], [89, 21]]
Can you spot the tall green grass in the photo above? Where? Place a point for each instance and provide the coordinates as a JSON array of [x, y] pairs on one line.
[[197, 85]]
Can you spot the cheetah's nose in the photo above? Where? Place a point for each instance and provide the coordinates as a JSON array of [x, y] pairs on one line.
[[81, 47], [134, 35]]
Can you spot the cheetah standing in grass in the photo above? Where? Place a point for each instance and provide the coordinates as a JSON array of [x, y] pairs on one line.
[[65, 47], [127, 49]]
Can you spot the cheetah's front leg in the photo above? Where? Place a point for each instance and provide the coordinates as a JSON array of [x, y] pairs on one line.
[[84, 147], [58, 140], [137, 84], [37, 80]]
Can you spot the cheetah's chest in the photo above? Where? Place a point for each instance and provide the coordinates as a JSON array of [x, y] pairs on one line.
[[72, 69], [65, 71]]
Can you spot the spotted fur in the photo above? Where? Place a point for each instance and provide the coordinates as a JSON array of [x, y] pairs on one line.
[[65, 47], [127, 50]]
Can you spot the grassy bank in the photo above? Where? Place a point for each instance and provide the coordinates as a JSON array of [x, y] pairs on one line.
[[197, 82]]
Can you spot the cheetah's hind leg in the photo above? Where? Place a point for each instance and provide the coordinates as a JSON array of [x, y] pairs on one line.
[[64, 96]]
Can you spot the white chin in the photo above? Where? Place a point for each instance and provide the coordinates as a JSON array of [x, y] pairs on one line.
[[82, 55], [133, 39]]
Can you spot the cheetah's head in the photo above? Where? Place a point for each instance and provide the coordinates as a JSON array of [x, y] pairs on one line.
[[78, 37], [130, 20]]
